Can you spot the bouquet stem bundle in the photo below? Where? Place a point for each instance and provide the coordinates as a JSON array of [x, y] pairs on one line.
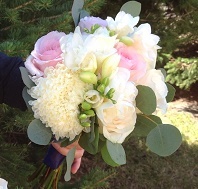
[[49, 171]]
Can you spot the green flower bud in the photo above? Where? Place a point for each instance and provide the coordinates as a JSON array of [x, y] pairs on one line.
[[126, 40], [110, 93], [88, 77], [105, 81], [82, 116], [112, 33], [85, 124], [101, 88], [86, 106], [89, 113]]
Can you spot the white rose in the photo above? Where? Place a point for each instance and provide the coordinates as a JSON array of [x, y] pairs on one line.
[[123, 24], [117, 121], [3, 184], [146, 43], [155, 80]]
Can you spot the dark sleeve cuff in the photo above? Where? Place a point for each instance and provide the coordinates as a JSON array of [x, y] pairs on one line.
[[11, 84]]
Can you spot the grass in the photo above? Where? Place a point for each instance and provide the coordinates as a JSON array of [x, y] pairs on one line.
[[144, 169]]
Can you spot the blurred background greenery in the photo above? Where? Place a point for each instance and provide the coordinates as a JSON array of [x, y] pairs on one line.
[[22, 22]]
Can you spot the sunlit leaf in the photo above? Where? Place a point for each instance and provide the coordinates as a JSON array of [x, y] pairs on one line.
[[164, 139], [146, 100], [132, 7], [171, 92]]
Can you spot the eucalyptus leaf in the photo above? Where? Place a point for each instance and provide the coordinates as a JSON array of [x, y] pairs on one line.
[[25, 77], [171, 92], [113, 154], [84, 13], [163, 72], [39, 133], [84, 141], [144, 124], [164, 139], [65, 142], [27, 97], [132, 7], [146, 100], [76, 8], [69, 159]]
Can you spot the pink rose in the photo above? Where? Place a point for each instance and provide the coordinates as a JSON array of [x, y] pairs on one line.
[[88, 22], [131, 60], [47, 52]]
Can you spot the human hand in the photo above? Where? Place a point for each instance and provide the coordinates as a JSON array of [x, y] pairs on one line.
[[78, 154]]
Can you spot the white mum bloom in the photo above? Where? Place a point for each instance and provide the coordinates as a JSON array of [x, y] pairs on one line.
[[57, 96], [146, 44], [123, 24]]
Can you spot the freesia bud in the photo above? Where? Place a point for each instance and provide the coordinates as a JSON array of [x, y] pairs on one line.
[[126, 40], [83, 116], [105, 81], [86, 106], [88, 77], [90, 113], [110, 93], [101, 88], [110, 64], [85, 124]]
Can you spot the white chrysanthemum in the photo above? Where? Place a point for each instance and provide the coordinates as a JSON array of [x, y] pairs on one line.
[[57, 96]]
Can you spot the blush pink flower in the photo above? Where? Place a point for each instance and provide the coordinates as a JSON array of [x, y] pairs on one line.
[[47, 52], [131, 60]]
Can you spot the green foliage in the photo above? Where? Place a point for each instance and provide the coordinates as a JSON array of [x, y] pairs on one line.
[[182, 71], [22, 22], [113, 154], [164, 139], [69, 160], [38, 133], [146, 100]]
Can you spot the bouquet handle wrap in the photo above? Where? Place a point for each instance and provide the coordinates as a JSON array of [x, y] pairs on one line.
[[53, 158]]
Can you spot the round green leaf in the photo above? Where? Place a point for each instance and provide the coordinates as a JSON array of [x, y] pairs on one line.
[[164, 139], [144, 124], [113, 154], [76, 8], [25, 77], [69, 159], [171, 92], [146, 100], [39, 133], [132, 7], [27, 97]]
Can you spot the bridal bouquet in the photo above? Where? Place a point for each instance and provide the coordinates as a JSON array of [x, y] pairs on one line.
[[98, 85]]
